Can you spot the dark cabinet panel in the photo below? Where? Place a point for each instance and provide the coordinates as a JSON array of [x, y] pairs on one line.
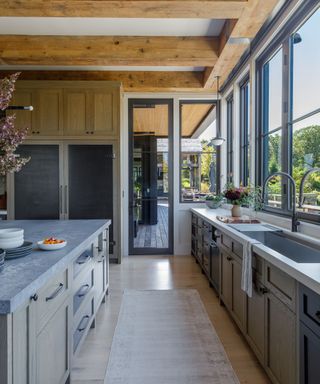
[[215, 265], [90, 182], [37, 184], [309, 356]]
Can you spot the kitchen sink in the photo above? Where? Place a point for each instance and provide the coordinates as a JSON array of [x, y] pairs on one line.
[[288, 245]]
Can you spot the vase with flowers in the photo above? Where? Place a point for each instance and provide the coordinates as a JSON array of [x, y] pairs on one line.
[[242, 196], [10, 137]]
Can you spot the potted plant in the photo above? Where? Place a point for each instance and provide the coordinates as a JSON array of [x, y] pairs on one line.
[[242, 196], [213, 201]]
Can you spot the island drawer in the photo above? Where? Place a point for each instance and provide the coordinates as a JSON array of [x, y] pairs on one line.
[[83, 324], [281, 285], [309, 303], [50, 298], [82, 289], [83, 260]]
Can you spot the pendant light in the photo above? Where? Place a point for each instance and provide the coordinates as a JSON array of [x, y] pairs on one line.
[[218, 139]]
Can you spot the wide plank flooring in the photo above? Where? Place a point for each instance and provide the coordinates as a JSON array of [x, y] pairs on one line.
[[157, 272], [154, 236]]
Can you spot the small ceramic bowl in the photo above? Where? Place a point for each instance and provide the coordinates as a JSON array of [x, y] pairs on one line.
[[51, 247], [9, 233], [213, 204], [13, 242]]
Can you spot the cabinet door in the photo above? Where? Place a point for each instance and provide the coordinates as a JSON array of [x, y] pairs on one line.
[[255, 320], [36, 190], [226, 279], [239, 299], [99, 278], [75, 112], [215, 265], [309, 356], [102, 113], [48, 112], [280, 352], [52, 348], [24, 119]]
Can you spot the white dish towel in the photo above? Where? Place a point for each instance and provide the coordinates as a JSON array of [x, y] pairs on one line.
[[246, 276]]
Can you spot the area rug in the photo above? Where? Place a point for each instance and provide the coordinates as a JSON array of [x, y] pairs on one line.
[[166, 337]]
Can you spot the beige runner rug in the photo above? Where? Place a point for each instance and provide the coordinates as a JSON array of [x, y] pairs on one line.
[[166, 337]]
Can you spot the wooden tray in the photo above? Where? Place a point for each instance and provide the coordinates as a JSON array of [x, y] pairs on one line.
[[238, 220]]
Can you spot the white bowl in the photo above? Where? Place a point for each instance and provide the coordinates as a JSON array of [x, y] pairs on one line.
[[51, 247], [11, 243], [9, 233]]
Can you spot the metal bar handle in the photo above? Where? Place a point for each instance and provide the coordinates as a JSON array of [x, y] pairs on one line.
[[55, 293], [66, 199], [60, 200], [84, 259], [83, 290], [85, 318]]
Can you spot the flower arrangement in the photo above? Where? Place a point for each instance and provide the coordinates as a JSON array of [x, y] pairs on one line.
[[10, 138], [248, 196]]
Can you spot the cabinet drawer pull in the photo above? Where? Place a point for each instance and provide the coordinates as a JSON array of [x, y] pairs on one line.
[[263, 290], [84, 259], [318, 314], [85, 319], [55, 293], [34, 297], [84, 290], [229, 258], [101, 260]]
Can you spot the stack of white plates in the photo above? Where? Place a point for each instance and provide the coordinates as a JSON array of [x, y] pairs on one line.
[[11, 238]]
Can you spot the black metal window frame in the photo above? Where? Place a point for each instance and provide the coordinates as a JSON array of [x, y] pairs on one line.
[[244, 130], [194, 101], [230, 131], [283, 42]]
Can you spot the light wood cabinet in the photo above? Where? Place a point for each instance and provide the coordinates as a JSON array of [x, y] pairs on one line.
[[280, 325], [48, 112], [52, 348], [90, 112], [24, 119]]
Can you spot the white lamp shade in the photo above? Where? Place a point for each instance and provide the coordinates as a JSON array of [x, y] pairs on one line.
[[217, 141]]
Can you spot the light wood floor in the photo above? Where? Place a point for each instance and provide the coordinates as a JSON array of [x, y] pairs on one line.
[[156, 272]]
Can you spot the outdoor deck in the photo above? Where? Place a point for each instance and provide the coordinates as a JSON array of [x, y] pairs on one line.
[[154, 236]]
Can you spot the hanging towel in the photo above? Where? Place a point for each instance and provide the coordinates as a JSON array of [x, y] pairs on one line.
[[246, 275]]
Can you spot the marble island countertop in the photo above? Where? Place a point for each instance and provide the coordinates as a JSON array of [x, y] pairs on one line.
[[305, 273], [22, 277]]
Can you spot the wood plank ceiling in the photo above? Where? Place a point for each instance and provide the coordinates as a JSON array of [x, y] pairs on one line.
[[216, 54]]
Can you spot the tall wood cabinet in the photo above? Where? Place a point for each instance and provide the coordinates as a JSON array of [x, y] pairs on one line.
[[66, 113]]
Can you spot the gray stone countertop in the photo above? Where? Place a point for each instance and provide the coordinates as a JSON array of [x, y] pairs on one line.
[[305, 273], [22, 277]]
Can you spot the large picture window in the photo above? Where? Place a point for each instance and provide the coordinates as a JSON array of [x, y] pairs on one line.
[[198, 158], [289, 134], [244, 132]]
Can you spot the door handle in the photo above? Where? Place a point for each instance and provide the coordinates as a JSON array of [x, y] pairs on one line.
[[60, 199], [66, 199]]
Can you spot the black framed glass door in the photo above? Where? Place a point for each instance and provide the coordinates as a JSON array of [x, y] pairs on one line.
[[150, 176]]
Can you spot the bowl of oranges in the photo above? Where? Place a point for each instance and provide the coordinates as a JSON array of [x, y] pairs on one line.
[[51, 244]]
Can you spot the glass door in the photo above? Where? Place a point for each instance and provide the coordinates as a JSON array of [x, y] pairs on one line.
[[150, 176]]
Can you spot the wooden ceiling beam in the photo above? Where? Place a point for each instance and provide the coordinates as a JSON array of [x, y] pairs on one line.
[[108, 50], [235, 39], [208, 9], [134, 81]]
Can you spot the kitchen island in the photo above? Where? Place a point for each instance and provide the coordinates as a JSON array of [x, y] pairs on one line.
[[49, 299]]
